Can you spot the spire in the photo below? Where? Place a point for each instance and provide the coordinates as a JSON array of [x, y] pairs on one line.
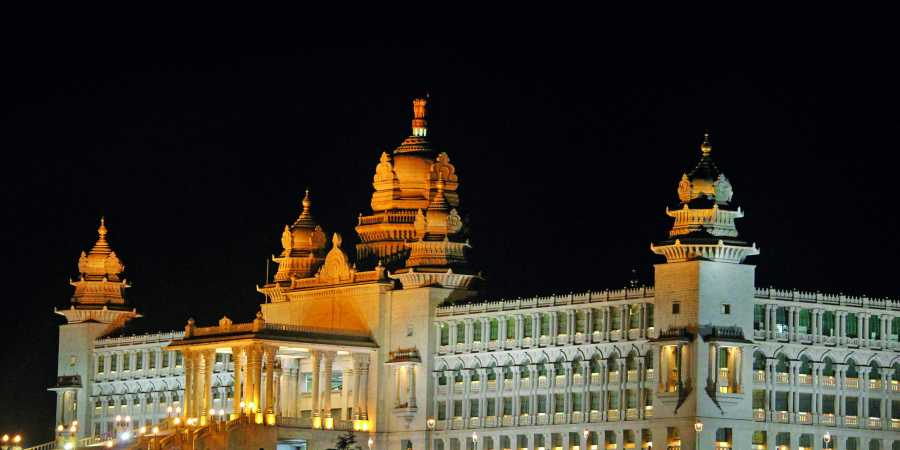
[[706, 147], [438, 201], [101, 246], [306, 204], [306, 218], [419, 125]]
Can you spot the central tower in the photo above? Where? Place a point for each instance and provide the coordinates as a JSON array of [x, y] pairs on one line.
[[704, 311]]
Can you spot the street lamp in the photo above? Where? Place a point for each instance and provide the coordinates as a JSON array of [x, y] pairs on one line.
[[698, 427], [474, 441], [429, 426], [371, 443], [586, 434], [827, 439]]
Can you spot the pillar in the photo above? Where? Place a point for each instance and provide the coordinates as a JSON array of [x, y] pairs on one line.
[[269, 355], [209, 362], [187, 398], [254, 364], [328, 360], [316, 361]]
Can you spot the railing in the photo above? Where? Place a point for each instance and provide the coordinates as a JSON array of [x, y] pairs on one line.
[[723, 373], [577, 379], [827, 419], [474, 422], [782, 378], [759, 376], [490, 421], [851, 421], [650, 375], [612, 415], [614, 377], [527, 342], [562, 339], [46, 446], [442, 389], [542, 381], [874, 422], [542, 419], [524, 419], [781, 416], [631, 414], [577, 417], [536, 302], [852, 383], [804, 378], [507, 383], [829, 381], [308, 423], [805, 418], [492, 385], [507, 420], [475, 386], [895, 386], [595, 378], [759, 415], [524, 383], [456, 423], [895, 424], [443, 349], [460, 347], [648, 412], [875, 384], [559, 418], [615, 335], [632, 375], [544, 341], [560, 380], [458, 387]]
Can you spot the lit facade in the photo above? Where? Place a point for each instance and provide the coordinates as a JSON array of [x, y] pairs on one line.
[[400, 347]]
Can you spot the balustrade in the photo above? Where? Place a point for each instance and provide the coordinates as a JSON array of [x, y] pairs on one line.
[[759, 376], [781, 416], [559, 418], [851, 421], [631, 414], [648, 411], [829, 381], [614, 377], [804, 418], [851, 383], [759, 415], [874, 422], [827, 419], [804, 378], [612, 415]]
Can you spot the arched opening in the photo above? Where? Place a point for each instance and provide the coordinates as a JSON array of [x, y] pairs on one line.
[[806, 370]]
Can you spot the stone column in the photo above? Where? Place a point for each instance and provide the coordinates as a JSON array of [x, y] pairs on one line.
[[815, 314], [589, 325], [363, 385], [315, 359], [254, 363], [187, 400], [238, 366], [199, 382], [269, 354], [328, 361]]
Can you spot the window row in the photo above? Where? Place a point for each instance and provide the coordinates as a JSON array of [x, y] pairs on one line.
[[138, 360]]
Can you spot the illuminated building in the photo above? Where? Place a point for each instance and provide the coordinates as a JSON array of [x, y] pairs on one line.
[[401, 348]]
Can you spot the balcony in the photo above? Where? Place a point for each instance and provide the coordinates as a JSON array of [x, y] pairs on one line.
[[443, 349], [852, 342], [759, 376], [460, 347], [895, 424], [477, 346], [475, 422], [560, 380], [457, 423], [805, 338], [524, 420], [527, 342], [544, 341], [525, 383], [594, 416], [559, 418], [491, 346], [781, 336], [612, 415], [577, 380], [507, 383], [781, 416], [759, 415], [490, 421], [804, 378], [562, 339], [634, 334], [507, 421], [632, 376], [442, 389], [511, 343], [542, 419], [577, 417], [491, 385], [650, 375], [648, 412], [614, 377], [782, 378], [804, 418], [851, 421], [596, 337], [458, 387], [759, 335], [829, 340], [851, 383], [615, 335], [542, 381], [829, 381], [595, 378], [875, 385], [827, 419], [874, 423], [631, 414], [579, 338], [475, 386]]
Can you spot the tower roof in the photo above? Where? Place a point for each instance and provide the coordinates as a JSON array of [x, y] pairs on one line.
[[417, 142], [705, 183], [101, 262]]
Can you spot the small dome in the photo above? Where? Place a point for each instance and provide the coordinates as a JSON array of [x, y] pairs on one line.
[[305, 235], [101, 261], [705, 182]]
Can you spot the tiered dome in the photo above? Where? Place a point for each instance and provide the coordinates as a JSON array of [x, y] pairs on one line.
[[405, 183], [705, 224], [100, 273], [303, 246]]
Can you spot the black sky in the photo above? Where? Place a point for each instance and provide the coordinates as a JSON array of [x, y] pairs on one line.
[[197, 151]]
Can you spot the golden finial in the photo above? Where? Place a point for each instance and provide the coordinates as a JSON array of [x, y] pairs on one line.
[[306, 202], [706, 147], [102, 230], [418, 123]]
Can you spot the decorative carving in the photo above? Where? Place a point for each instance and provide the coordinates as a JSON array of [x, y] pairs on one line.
[[384, 171], [684, 188], [454, 222], [287, 241], [723, 189], [337, 267], [441, 169]]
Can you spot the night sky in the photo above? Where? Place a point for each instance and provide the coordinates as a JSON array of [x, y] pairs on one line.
[[197, 152]]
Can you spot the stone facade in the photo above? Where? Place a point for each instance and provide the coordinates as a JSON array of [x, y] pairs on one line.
[[401, 348]]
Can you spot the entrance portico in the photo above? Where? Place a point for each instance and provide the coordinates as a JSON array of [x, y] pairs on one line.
[[268, 361]]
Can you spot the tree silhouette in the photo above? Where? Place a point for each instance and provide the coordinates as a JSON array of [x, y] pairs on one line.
[[346, 441]]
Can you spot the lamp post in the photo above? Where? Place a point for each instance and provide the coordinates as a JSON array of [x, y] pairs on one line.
[[698, 427], [474, 441], [429, 435], [586, 435], [827, 439], [371, 443]]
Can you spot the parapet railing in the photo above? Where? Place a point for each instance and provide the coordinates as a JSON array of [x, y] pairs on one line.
[[793, 295], [552, 300]]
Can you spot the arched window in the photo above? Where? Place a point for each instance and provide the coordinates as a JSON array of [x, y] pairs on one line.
[[875, 372], [852, 370], [759, 361], [782, 364], [806, 366], [828, 368]]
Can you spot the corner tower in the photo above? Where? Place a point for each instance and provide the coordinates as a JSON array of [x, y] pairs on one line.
[[97, 308], [704, 310]]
